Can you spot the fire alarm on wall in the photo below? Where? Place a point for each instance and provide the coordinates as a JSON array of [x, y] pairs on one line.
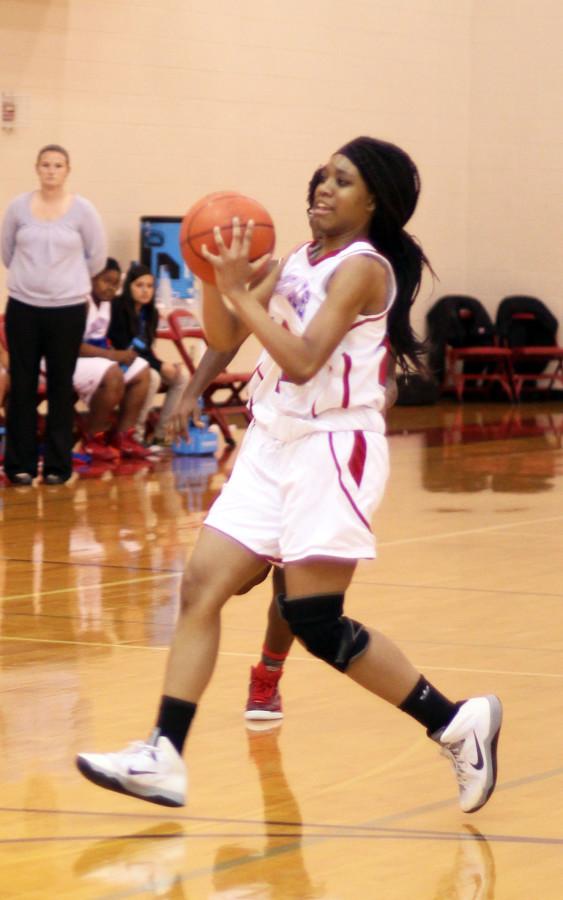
[[8, 111]]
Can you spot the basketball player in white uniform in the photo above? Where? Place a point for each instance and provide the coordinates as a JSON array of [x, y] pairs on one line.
[[311, 469]]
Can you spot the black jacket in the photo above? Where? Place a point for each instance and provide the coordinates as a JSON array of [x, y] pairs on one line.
[[122, 335]]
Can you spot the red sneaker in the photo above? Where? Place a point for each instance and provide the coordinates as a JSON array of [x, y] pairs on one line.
[[128, 446], [95, 446], [264, 701]]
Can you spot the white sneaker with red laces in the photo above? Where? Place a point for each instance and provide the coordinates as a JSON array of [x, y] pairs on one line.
[[470, 743], [151, 771]]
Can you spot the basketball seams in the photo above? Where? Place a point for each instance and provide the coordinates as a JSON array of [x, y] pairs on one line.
[[210, 212], [226, 231]]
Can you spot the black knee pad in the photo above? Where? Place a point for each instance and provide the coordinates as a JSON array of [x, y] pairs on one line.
[[326, 633]]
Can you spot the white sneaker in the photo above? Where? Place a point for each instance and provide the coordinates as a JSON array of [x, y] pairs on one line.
[[154, 772], [470, 743]]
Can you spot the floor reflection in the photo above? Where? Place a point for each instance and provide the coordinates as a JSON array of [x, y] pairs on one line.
[[473, 874], [151, 860], [278, 871], [456, 458], [156, 859], [192, 476]]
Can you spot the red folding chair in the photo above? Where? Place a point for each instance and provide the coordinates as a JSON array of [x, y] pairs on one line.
[[544, 354], [497, 369], [223, 397], [529, 329], [463, 349]]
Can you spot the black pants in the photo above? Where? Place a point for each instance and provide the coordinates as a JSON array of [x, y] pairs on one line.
[[34, 332]]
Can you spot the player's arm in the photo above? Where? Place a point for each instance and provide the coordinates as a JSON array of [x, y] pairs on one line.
[[359, 285], [224, 329], [300, 357], [211, 364], [119, 356]]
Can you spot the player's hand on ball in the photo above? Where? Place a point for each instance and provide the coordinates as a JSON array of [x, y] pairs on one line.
[[233, 269]]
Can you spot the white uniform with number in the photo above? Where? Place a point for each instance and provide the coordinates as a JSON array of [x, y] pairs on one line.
[[313, 464], [90, 370]]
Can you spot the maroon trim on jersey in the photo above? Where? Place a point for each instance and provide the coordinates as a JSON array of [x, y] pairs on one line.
[[369, 319], [346, 380], [297, 248], [320, 259], [343, 486], [357, 461]]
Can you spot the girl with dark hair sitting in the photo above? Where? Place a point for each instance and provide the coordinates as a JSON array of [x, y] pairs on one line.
[[134, 322]]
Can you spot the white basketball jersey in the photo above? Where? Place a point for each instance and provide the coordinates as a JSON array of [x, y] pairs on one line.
[[348, 392], [97, 320]]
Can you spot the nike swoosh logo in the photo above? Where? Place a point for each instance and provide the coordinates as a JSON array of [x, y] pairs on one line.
[[480, 761], [132, 771]]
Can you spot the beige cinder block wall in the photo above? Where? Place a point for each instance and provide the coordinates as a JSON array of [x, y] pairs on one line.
[[515, 173], [161, 103]]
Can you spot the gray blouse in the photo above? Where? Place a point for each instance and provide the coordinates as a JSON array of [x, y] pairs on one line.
[[51, 263]]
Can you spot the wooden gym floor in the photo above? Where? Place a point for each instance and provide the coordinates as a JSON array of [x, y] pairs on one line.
[[347, 800]]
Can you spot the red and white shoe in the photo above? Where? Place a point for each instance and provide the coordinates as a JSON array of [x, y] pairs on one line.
[[95, 445], [264, 700], [125, 442]]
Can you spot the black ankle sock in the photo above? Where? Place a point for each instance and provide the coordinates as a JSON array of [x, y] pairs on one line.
[[429, 707], [174, 720]]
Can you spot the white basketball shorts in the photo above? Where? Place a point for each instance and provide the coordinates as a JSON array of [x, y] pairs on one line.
[[315, 496], [90, 370]]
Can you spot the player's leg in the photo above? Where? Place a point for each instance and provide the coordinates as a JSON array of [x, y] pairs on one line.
[[467, 731], [106, 396], [99, 384], [152, 391], [154, 770], [137, 382], [248, 510], [264, 700], [336, 514], [176, 379]]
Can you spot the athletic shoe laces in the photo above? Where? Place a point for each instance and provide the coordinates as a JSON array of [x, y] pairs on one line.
[[454, 752], [140, 755], [264, 686]]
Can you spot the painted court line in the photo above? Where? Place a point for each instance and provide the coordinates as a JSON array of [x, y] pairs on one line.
[[164, 649], [99, 586], [422, 538]]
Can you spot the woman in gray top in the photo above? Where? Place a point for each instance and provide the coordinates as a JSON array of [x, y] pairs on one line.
[[53, 243]]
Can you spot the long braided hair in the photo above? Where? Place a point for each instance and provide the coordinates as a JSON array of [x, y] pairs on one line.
[[392, 178]]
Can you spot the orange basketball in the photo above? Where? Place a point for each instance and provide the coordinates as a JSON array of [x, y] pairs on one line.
[[218, 209]]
